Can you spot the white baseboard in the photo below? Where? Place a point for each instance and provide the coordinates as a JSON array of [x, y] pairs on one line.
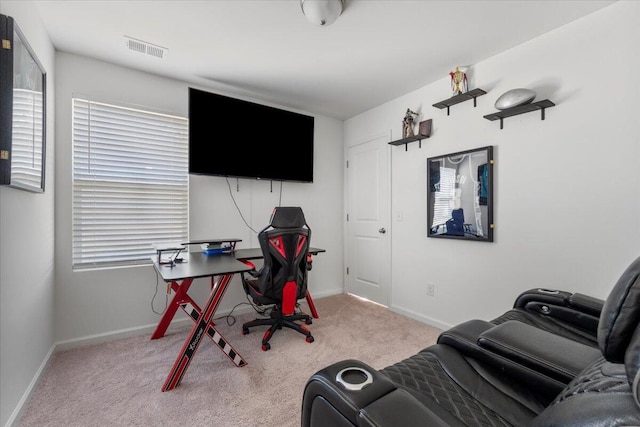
[[17, 412], [175, 323], [330, 292], [114, 335], [419, 317]]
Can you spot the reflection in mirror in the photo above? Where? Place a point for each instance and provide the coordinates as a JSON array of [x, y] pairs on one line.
[[460, 195], [23, 137]]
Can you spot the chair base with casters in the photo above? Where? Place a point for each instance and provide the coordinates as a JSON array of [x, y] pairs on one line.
[[278, 321]]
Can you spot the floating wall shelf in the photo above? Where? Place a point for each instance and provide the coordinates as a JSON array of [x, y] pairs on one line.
[[472, 94], [520, 109], [409, 139]]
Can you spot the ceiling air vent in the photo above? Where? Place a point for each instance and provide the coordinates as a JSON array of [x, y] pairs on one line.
[[146, 48]]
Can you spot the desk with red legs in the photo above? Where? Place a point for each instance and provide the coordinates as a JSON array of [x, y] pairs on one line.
[[179, 276]]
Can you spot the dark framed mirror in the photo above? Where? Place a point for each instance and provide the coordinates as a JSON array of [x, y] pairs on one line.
[[460, 195], [22, 111]]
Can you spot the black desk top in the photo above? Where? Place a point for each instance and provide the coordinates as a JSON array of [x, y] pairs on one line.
[[212, 241], [256, 253], [198, 264]]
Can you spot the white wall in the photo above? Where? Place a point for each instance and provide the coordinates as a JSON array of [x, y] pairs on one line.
[[96, 302], [567, 189], [26, 249], [566, 194]]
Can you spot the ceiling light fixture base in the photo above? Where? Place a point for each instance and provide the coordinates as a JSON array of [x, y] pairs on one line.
[[322, 12]]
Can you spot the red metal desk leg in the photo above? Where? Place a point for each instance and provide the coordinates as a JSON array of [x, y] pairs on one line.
[[218, 339], [202, 326], [312, 306], [179, 298], [193, 311]]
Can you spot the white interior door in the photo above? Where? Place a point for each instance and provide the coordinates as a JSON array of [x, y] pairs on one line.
[[369, 220]]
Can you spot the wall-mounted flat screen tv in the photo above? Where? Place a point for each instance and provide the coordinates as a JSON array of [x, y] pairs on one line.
[[241, 139]]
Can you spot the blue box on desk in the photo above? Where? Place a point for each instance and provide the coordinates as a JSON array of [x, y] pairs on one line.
[[216, 250]]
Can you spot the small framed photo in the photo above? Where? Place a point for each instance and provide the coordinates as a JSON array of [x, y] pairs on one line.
[[424, 128]]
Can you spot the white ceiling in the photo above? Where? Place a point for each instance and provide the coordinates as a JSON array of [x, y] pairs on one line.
[[267, 50]]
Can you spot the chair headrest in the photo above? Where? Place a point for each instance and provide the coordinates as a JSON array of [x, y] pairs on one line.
[[287, 217], [620, 315]]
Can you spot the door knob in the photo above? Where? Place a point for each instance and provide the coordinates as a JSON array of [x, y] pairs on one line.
[[382, 230]]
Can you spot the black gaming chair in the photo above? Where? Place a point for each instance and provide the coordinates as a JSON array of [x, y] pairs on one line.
[[282, 280]]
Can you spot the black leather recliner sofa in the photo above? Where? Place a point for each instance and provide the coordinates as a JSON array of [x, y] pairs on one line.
[[512, 372]]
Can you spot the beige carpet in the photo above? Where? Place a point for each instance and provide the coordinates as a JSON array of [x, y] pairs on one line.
[[119, 383]]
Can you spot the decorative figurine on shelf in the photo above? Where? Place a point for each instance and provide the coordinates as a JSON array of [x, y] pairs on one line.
[[407, 123], [458, 81]]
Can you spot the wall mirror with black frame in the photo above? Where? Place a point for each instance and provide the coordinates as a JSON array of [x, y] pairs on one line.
[[460, 195], [22, 111]]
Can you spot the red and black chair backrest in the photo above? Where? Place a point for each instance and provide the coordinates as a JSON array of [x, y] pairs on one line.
[[285, 245]]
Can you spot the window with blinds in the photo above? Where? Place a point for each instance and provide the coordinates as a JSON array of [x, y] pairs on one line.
[[130, 183]]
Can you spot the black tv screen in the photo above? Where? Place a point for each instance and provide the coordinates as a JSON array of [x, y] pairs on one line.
[[235, 138]]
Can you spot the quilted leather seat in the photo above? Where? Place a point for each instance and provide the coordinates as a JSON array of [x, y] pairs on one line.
[[474, 394], [470, 393]]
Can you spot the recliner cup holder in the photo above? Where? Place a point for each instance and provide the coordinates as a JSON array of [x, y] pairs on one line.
[[354, 378]]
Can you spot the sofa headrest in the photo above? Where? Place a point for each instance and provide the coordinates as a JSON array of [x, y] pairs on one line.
[[620, 315]]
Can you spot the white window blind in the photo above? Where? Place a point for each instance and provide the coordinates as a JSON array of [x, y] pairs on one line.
[[444, 196], [26, 146], [130, 183]]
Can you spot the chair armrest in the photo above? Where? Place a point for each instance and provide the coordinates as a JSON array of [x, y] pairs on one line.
[[541, 295], [253, 272], [326, 402], [552, 355], [465, 338], [580, 302], [587, 304], [399, 408], [579, 310]]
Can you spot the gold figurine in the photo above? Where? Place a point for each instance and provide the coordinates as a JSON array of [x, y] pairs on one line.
[[458, 81]]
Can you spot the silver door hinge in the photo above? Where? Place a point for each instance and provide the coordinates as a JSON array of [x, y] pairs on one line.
[[347, 271], [347, 164], [347, 217]]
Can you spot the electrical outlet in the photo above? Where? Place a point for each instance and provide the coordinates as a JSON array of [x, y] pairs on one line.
[[431, 288]]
